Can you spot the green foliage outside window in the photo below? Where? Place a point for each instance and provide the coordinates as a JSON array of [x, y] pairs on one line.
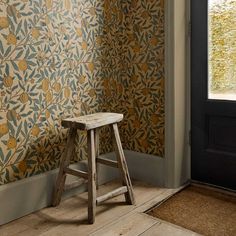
[[222, 46]]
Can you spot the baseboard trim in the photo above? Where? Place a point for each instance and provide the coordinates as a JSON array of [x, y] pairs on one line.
[[25, 196], [145, 167]]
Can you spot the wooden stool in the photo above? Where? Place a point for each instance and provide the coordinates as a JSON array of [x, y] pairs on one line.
[[92, 123]]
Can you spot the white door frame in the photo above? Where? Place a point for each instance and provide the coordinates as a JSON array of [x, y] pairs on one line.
[[177, 93]]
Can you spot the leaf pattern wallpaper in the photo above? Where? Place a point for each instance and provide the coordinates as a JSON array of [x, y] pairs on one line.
[[143, 76], [63, 58]]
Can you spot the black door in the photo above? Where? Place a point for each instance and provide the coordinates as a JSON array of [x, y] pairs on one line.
[[213, 114]]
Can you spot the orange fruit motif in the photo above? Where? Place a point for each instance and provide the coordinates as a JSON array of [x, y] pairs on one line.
[[4, 129], [50, 34], [22, 166], [92, 11], [67, 92], [48, 96], [92, 92], [131, 37], [24, 97], [82, 79], [48, 3], [108, 15], [35, 131], [136, 48], [62, 29], [57, 87], [47, 20], [155, 119], [84, 45], [114, 9], [136, 124], [99, 40], [144, 67], [134, 78], [108, 92], [22, 65], [133, 3], [45, 85], [145, 14], [8, 81], [145, 91], [47, 114], [67, 4], [11, 39], [144, 143], [35, 33], [79, 32], [154, 41], [4, 23], [91, 66], [131, 111], [106, 5], [11, 143], [106, 83]]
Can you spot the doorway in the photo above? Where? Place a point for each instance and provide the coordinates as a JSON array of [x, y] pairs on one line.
[[213, 92]]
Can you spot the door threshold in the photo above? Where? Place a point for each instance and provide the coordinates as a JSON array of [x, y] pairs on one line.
[[213, 187]]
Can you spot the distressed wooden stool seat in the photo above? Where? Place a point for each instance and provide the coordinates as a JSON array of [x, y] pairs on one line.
[[92, 123]]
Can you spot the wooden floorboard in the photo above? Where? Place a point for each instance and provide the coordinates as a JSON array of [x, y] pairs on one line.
[[70, 217], [130, 225], [167, 229]]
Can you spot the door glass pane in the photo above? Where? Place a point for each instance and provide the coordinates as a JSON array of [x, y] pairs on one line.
[[222, 49]]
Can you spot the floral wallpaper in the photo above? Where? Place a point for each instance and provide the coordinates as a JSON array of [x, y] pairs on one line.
[[143, 76], [62, 58]]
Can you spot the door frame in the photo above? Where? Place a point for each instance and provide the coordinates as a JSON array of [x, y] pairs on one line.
[[177, 93], [212, 120]]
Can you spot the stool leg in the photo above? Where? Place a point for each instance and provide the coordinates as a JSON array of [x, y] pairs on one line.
[[91, 177], [96, 134], [129, 196], [65, 162]]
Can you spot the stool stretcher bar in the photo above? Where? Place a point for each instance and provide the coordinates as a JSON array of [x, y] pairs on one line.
[[78, 173], [107, 162], [112, 194]]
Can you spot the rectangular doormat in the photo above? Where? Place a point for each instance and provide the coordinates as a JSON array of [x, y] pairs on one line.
[[201, 210]]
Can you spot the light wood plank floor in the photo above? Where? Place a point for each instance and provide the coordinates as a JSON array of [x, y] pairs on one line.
[[113, 217]]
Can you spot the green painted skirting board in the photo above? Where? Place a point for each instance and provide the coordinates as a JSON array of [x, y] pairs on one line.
[[29, 195]]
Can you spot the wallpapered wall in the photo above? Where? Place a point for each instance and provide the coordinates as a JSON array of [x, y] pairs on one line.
[[143, 75], [70, 57]]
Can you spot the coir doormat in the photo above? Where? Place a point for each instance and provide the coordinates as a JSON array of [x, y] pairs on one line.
[[201, 210]]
